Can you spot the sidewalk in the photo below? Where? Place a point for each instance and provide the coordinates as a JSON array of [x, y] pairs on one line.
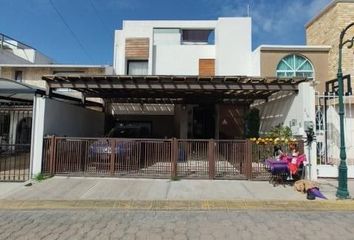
[[78, 188], [71, 192]]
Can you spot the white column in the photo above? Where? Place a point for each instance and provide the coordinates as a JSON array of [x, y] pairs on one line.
[[307, 94], [37, 135]]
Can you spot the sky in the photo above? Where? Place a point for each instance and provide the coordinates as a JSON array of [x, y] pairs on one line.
[[82, 31]]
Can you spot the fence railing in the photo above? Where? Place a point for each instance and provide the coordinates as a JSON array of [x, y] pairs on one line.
[[160, 158], [14, 162], [156, 158]]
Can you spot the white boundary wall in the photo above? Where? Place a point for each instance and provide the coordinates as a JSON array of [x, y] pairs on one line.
[[51, 117]]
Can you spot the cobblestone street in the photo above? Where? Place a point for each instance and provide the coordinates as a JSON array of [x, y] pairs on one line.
[[117, 224]]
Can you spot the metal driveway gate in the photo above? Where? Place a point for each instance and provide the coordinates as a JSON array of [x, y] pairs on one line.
[[15, 140], [155, 158], [327, 134]]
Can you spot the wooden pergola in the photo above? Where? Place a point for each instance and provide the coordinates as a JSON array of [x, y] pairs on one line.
[[173, 89]]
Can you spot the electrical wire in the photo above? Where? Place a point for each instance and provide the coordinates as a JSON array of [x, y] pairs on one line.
[[98, 14], [70, 30]]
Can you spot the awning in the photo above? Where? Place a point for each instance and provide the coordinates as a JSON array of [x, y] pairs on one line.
[[174, 89], [11, 90]]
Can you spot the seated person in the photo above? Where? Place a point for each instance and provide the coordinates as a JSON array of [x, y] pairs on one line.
[[278, 153], [293, 165]]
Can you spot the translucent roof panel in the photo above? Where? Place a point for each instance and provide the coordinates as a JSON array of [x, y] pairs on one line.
[[12, 90]]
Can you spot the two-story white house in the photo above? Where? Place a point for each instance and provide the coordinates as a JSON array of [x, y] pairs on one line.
[[212, 48], [221, 47]]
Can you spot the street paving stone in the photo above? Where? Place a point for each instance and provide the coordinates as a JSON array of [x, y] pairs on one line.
[[143, 224]]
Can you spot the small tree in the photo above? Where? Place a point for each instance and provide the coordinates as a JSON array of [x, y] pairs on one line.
[[280, 132]]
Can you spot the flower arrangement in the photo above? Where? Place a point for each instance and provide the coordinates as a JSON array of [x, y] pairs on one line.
[[278, 135], [272, 141]]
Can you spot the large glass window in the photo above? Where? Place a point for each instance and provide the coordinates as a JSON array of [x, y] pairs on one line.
[[295, 66], [137, 67], [198, 36]]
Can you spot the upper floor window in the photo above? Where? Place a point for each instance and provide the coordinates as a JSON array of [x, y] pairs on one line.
[[198, 36], [295, 66], [137, 67]]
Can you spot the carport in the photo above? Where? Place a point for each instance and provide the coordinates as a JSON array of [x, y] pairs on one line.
[[205, 104], [183, 153]]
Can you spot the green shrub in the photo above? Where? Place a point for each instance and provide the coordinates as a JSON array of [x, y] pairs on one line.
[[40, 177]]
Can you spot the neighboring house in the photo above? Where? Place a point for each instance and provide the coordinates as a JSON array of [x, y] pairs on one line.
[[26, 64], [325, 29], [32, 73], [16, 52], [21, 70]]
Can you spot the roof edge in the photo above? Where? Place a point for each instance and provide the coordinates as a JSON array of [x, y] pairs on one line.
[[53, 66], [318, 48]]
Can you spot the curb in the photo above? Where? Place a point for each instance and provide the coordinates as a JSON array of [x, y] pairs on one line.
[[179, 205]]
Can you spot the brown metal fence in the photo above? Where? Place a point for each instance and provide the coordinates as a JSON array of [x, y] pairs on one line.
[[232, 159], [193, 158], [163, 158], [259, 153], [107, 157], [156, 158]]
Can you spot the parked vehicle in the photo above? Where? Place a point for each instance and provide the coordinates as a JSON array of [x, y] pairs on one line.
[[103, 148]]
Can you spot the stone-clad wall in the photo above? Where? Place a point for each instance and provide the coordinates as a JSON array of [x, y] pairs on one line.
[[325, 30]]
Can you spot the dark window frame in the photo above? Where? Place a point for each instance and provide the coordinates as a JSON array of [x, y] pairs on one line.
[[210, 40]]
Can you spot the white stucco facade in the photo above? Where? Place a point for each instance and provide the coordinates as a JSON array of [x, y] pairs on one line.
[[231, 46]]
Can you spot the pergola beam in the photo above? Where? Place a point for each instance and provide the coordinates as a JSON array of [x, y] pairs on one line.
[[91, 84], [181, 88]]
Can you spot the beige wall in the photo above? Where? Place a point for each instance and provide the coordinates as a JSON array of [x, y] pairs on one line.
[[319, 60], [325, 30], [33, 75]]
